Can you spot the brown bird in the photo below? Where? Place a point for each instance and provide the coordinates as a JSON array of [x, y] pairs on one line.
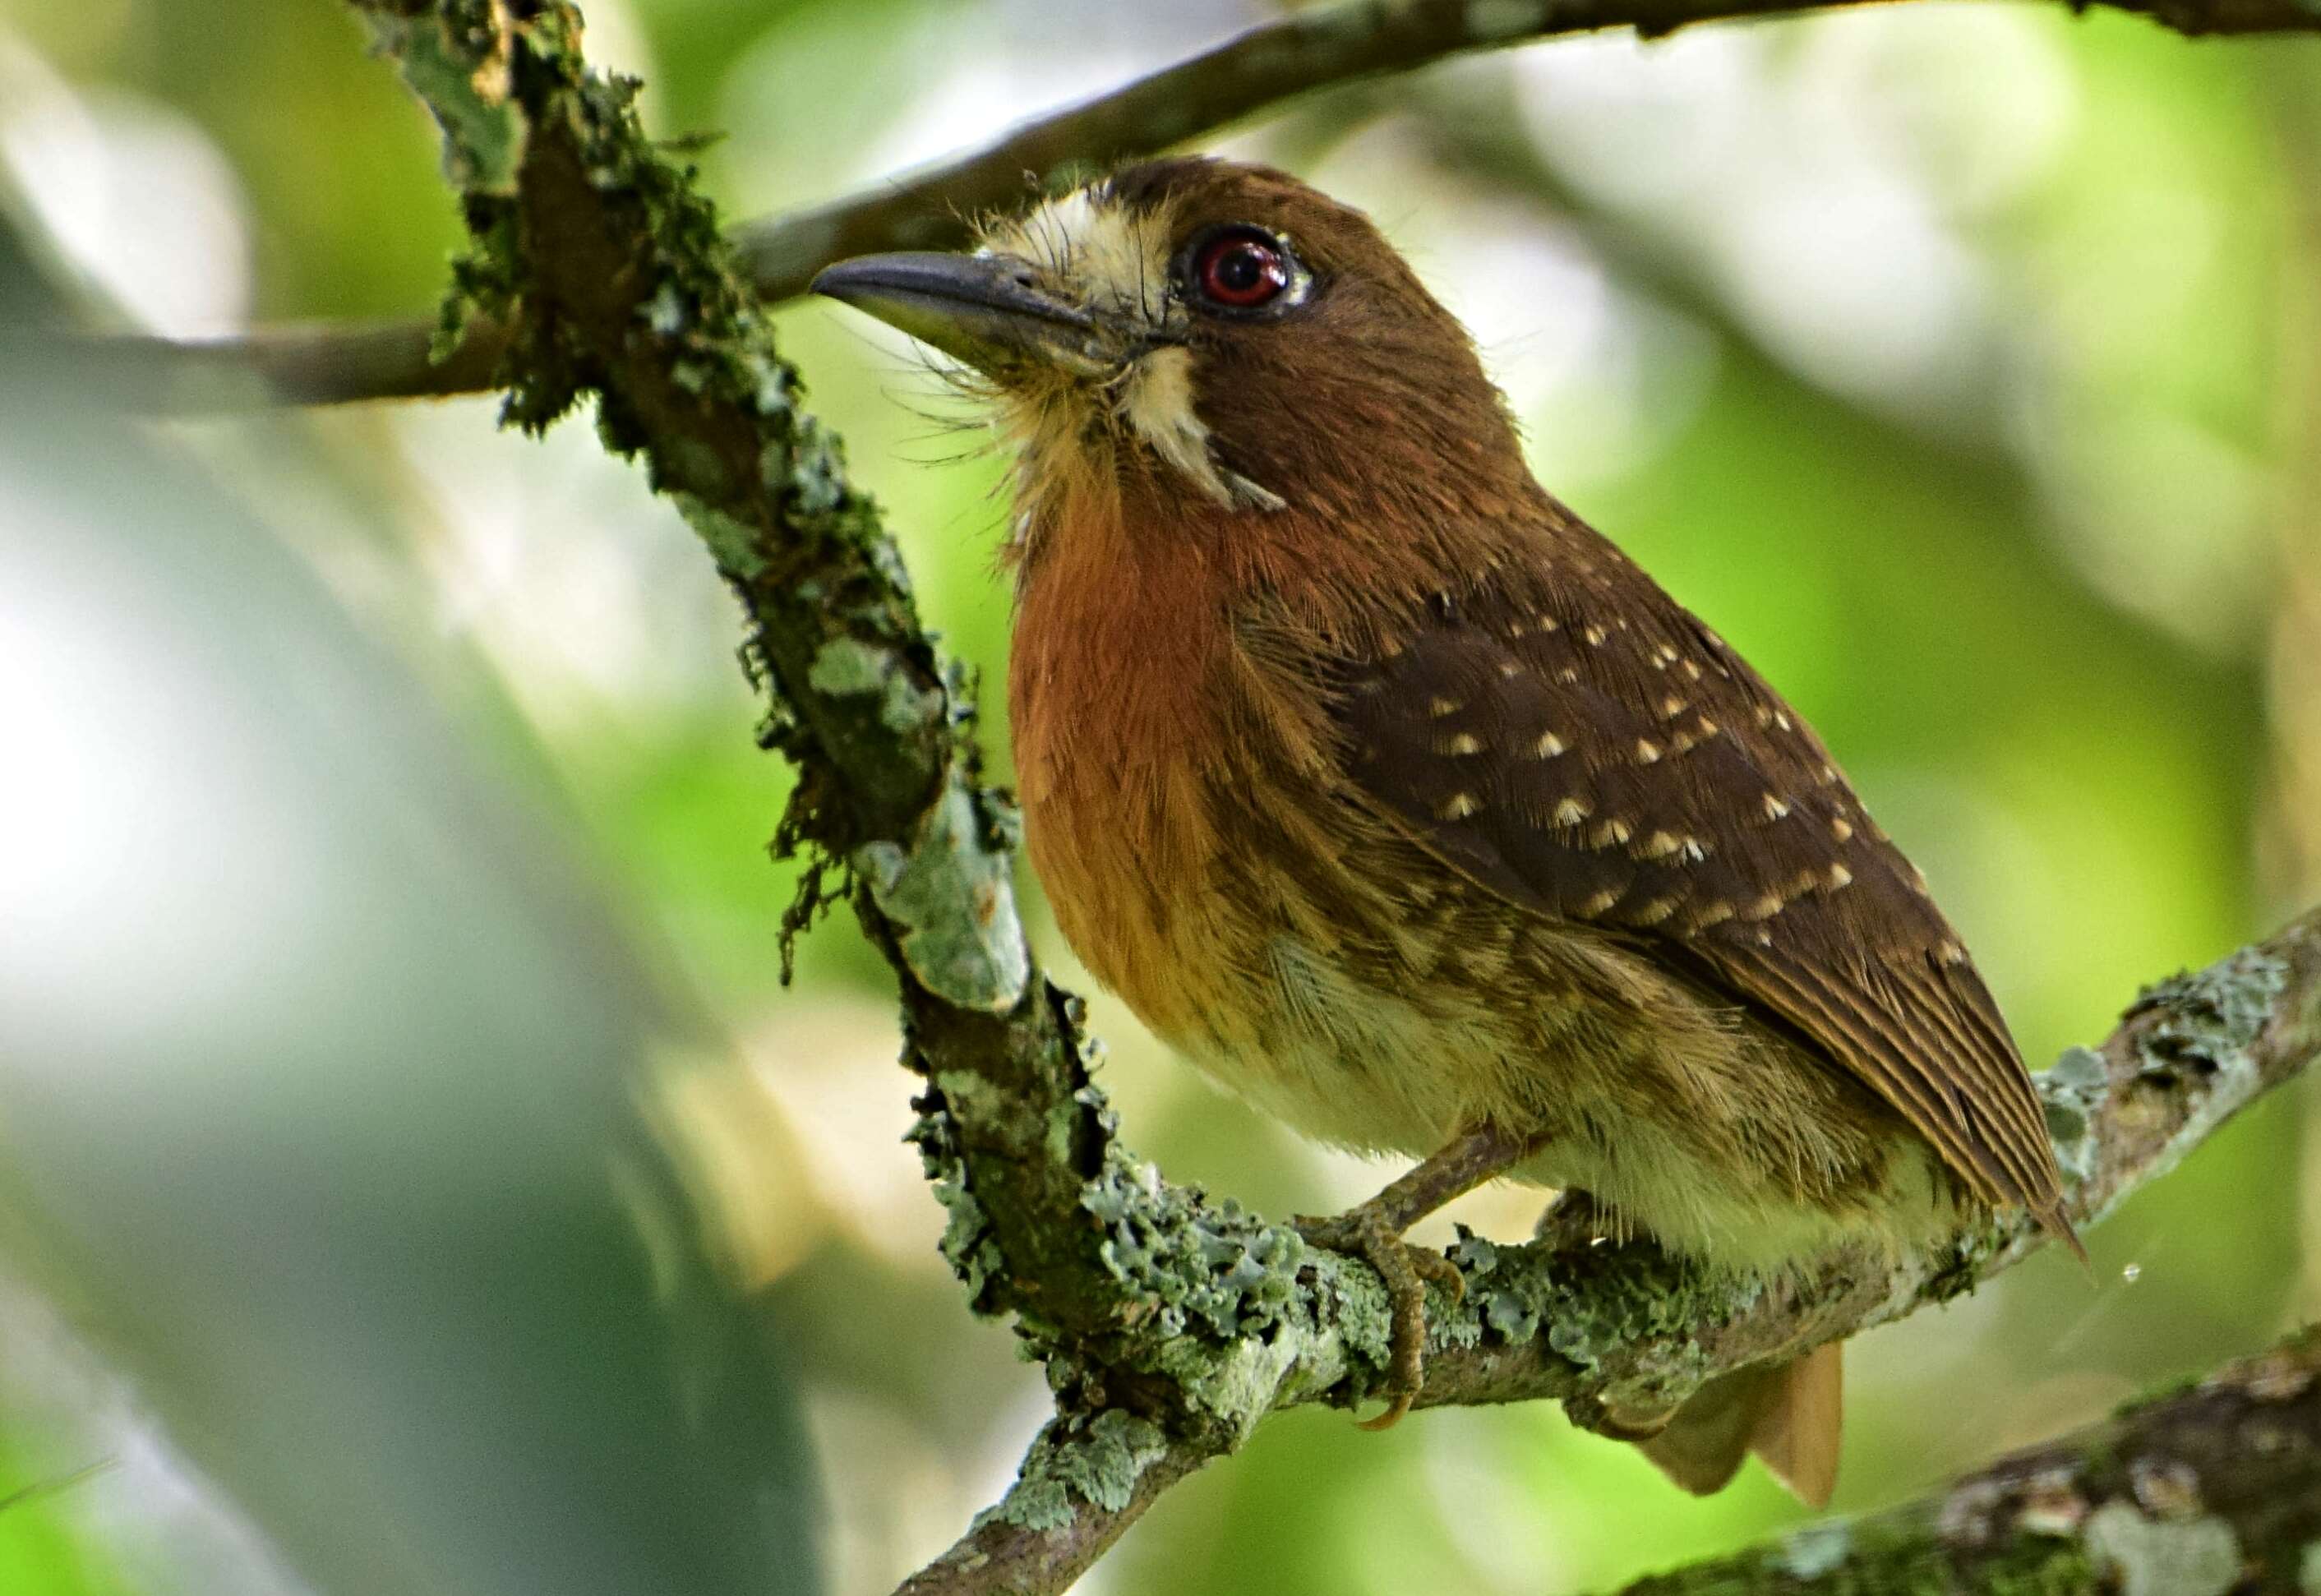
[[1383, 787]]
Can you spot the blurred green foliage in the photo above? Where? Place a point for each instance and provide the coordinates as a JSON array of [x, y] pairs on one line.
[[326, 1095], [1960, 364]]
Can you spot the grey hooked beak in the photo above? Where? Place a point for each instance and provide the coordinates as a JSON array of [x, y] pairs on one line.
[[989, 310]]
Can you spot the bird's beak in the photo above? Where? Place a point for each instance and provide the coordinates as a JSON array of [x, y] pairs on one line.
[[989, 310]]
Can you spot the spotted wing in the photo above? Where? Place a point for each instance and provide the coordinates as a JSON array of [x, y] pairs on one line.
[[1593, 752]]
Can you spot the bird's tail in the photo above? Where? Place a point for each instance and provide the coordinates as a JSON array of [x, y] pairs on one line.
[[1787, 1414]]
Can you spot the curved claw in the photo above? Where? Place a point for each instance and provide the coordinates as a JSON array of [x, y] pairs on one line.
[[1367, 1233]]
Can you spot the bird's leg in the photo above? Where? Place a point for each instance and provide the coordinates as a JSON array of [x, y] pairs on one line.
[[1372, 1232]]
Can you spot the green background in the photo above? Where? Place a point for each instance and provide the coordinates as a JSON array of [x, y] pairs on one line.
[[1962, 366]]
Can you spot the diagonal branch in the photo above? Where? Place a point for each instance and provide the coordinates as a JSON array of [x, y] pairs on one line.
[[2202, 1491], [1169, 1327], [1627, 1327], [1316, 48]]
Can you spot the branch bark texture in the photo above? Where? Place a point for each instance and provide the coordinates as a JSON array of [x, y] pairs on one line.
[[1170, 1326], [1314, 47], [2204, 1491]]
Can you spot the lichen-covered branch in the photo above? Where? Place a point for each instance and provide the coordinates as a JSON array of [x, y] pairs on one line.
[[611, 272], [1314, 48], [2200, 1492], [1627, 1327], [1169, 1327], [1079, 1489]]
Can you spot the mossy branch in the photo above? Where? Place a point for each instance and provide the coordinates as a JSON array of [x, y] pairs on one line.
[[2200, 1492], [1314, 48], [1169, 1327]]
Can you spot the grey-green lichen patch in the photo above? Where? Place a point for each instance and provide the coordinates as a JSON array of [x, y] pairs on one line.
[[1037, 1502], [2196, 1557], [2073, 1088], [1510, 1314], [1813, 1551], [803, 463], [1190, 1267], [1098, 1460], [2221, 1009], [2051, 1505], [2211, 1020], [483, 129], [847, 667], [1239, 1313], [968, 1245], [668, 312], [950, 894], [1066, 1120], [1106, 1460], [733, 543], [1633, 1303]]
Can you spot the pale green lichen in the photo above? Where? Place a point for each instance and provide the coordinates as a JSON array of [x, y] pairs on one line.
[[1240, 1314], [1098, 1460], [968, 1245], [2309, 1571], [667, 313], [1218, 1272], [2220, 1010], [1037, 1502], [1106, 1461], [2073, 1088], [1066, 1120], [1813, 1551], [2212, 1018], [735, 544], [847, 667], [1507, 1313], [484, 130], [804, 464], [2194, 1558], [951, 896], [1597, 1303]]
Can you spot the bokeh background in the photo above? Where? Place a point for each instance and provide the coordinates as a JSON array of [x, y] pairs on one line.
[[413, 1175]]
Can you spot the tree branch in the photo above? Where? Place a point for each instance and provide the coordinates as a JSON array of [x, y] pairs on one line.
[[1169, 1327], [1628, 1326], [1316, 48], [2204, 1491]]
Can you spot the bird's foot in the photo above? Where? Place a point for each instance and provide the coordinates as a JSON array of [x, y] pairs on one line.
[[1369, 1233]]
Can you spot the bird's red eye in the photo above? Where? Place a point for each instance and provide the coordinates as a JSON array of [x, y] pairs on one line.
[[1240, 270]]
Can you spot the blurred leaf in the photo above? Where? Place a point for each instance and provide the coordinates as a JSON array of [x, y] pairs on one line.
[[316, 1077]]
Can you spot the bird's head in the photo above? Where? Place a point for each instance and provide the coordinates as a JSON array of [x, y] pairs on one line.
[[1206, 337]]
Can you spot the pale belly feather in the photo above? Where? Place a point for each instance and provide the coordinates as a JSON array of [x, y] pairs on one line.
[[1370, 1072]]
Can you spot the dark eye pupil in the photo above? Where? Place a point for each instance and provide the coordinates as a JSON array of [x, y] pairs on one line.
[[1242, 269]]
